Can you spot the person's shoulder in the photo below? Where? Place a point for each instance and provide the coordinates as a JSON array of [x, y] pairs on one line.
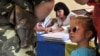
[[82, 51], [71, 13], [85, 49]]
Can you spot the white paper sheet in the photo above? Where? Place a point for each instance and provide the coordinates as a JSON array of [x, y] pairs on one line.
[[58, 36]]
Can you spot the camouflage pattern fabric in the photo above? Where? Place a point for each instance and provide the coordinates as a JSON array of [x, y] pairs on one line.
[[9, 40], [9, 44]]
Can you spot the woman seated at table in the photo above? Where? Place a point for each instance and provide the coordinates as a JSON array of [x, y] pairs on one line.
[[63, 18]]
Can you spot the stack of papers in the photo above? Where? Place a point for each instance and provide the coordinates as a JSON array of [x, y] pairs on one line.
[[58, 37]]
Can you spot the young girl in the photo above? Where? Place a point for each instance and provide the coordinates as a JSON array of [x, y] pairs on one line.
[[82, 31]]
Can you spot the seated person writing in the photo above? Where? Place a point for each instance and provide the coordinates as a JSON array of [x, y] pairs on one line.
[[63, 18]]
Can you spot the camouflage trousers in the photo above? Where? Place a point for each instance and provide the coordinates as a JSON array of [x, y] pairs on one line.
[[9, 44]]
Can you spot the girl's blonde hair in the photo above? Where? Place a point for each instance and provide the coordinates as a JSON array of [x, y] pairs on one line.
[[87, 23]]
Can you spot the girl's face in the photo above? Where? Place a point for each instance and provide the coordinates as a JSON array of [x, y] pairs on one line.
[[60, 13], [77, 32]]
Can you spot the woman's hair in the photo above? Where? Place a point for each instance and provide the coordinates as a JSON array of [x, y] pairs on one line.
[[61, 5], [87, 23]]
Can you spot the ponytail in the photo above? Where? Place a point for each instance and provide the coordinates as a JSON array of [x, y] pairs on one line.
[[96, 46]]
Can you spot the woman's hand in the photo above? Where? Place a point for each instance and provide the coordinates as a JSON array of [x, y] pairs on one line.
[[38, 27], [49, 29], [58, 29]]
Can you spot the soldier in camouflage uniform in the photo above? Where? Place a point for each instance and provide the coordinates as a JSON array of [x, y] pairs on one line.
[[14, 29]]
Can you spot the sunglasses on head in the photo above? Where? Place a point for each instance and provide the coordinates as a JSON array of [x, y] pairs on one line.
[[74, 29]]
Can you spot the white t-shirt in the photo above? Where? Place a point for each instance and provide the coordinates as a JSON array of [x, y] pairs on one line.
[[46, 22], [63, 24]]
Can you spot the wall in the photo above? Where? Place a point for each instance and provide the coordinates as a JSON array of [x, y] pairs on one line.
[[72, 5]]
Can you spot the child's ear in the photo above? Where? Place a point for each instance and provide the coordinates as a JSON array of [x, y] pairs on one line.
[[89, 34]]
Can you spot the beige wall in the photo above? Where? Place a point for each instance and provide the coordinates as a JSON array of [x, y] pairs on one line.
[[72, 6]]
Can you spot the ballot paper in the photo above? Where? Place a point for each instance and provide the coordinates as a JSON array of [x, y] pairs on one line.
[[58, 36]]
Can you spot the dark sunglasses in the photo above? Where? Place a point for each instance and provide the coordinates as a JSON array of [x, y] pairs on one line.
[[74, 29]]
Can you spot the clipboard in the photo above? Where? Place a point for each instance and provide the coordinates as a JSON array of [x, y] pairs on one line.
[[80, 12]]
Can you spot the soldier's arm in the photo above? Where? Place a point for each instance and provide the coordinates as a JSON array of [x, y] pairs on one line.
[[43, 9]]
